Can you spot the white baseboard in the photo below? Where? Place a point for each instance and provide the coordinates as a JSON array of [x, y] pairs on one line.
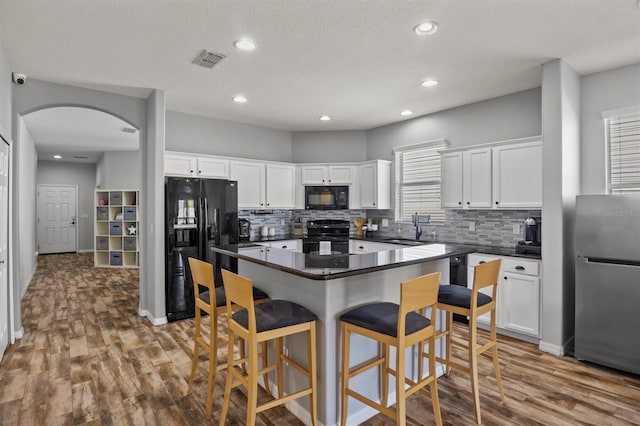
[[85, 251], [18, 334], [551, 348], [154, 321]]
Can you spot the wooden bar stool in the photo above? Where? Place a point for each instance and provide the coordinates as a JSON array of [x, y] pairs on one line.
[[271, 320], [470, 302], [213, 302], [399, 326]]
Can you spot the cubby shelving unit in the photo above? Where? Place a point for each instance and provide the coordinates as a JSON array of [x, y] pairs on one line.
[[116, 228]]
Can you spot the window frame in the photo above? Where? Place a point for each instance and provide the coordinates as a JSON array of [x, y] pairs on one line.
[[608, 117], [437, 145]]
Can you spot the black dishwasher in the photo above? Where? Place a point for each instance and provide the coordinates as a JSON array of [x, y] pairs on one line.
[[458, 276]]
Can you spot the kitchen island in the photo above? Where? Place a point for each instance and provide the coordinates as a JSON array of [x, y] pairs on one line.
[[329, 285]]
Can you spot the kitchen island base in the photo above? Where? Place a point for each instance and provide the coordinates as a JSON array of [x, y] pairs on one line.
[[328, 299]]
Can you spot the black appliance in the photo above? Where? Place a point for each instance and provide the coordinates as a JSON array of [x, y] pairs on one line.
[[244, 230], [335, 232], [326, 197], [458, 276], [199, 213], [532, 232]]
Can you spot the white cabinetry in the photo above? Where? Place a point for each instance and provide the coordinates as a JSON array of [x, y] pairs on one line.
[[518, 306], [466, 179], [251, 183], [452, 180], [317, 174], [292, 245], [375, 184], [501, 175], [180, 165], [476, 177], [280, 191], [263, 185], [517, 175], [195, 166], [209, 167], [521, 295]]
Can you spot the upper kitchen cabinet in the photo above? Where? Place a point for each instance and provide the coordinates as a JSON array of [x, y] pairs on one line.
[[375, 184], [180, 165], [196, 166], [263, 185], [280, 189], [476, 177], [501, 175], [452, 173], [517, 175], [251, 183], [317, 174]]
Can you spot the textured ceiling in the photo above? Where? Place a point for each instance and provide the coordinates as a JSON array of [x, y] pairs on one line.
[[357, 61]]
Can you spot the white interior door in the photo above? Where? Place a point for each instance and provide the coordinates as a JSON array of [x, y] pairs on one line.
[[4, 242], [56, 219]]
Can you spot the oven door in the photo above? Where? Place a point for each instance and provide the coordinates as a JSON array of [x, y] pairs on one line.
[[312, 245]]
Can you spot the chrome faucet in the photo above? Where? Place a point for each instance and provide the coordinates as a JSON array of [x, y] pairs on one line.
[[418, 220]]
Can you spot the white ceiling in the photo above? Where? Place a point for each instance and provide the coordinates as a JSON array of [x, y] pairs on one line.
[[357, 61]]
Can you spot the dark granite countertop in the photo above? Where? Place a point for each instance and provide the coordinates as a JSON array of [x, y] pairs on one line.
[[498, 251], [326, 267]]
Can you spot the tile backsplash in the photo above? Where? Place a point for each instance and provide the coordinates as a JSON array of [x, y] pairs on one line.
[[492, 227]]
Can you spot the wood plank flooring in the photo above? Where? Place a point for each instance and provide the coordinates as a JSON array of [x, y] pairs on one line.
[[88, 358]]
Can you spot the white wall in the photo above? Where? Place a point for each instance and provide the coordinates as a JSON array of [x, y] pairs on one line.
[[602, 91], [119, 170], [6, 95], [37, 94], [320, 147], [82, 175], [203, 135], [26, 159], [512, 116]]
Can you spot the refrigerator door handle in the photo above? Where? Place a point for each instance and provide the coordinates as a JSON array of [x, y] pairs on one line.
[[204, 225]]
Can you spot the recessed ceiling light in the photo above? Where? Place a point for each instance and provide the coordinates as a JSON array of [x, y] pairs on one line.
[[325, 118], [244, 44], [426, 28], [239, 99], [406, 112], [429, 83], [57, 156]]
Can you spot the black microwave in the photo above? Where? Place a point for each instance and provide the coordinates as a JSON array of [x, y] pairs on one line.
[[326, 197]]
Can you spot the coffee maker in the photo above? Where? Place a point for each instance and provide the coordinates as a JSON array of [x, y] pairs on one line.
[[244, 229], [532, 231]]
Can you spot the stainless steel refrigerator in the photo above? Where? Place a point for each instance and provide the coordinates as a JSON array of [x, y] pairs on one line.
[[608, 280], [199, 213]]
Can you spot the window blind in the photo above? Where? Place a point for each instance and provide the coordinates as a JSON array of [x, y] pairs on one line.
[[418, 181], [623, 150]]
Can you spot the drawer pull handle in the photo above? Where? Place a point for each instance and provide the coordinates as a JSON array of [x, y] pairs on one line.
[[284, 247], [520, 268], [506, 278], [361, 247], [481, 262]]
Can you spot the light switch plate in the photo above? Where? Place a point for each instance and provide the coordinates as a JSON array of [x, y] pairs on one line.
[[472, 226], [385, 223], [516, 228]]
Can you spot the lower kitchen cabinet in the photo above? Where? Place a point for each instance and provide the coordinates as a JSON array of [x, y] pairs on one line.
[[518, 307]]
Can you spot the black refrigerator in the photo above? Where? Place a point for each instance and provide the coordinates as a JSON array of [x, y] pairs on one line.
[[199, 213]]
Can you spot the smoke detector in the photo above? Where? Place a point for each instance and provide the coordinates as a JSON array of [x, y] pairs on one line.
[[208, 59]]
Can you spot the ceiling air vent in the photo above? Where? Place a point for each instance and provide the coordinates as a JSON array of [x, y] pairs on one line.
[[128, 130], [80, 157], [208, 59]]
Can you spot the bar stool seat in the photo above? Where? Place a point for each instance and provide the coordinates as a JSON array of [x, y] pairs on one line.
[[457, 295], [202, 276], [455, 299], [258, 324], [401, 327]]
